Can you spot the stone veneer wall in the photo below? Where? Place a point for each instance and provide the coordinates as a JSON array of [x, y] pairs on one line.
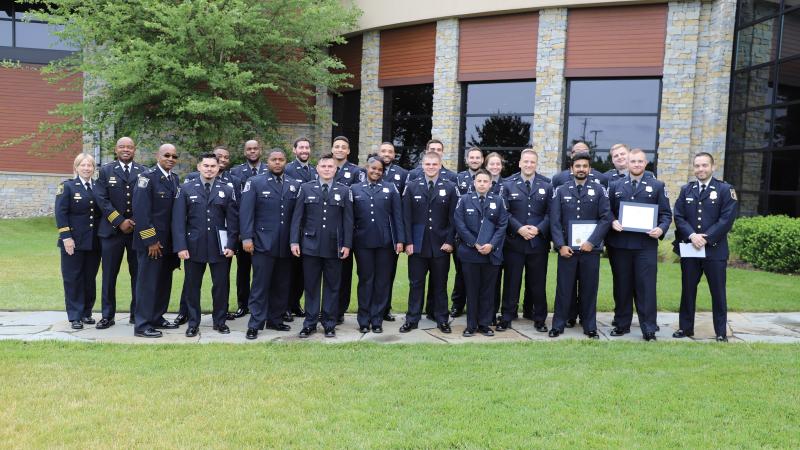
[[28, 194], [370, 131], [446, 121], [321, 138], [551, 88]]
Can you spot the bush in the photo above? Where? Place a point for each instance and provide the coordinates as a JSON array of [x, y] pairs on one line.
[[768, 242]]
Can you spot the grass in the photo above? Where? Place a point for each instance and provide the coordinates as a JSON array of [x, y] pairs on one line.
[[532, 395], [30, 279]]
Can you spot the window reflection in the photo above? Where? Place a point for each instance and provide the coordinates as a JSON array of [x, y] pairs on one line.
[[498, 131], [407, 121], [750, 10], [614, 96], [601, 132], [790, 38], [495, 98], [757, 43], [789, 88]]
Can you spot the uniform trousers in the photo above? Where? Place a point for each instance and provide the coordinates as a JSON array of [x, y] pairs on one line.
[[479, 281], [691, 271], [269, 295], [436, 270], [153, 286], [327, 271], [220, 288], [374, 284], [79, 271], [296, 286], [635, 281], [346, 286], [112, 249], [535, 266], [583, 269], [243, 266]]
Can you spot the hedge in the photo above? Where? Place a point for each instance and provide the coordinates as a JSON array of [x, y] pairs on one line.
[[768, 242]]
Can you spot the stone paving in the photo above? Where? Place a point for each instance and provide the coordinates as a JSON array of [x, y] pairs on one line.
[[52, 325]]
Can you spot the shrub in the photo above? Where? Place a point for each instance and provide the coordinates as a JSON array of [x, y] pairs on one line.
[[768, 242]]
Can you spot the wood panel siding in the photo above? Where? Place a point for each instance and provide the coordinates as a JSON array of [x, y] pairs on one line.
[[498, 47], [287, 111], [407, 55], [618, 41], [350, 55]]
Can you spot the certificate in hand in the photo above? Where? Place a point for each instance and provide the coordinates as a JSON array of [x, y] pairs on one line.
[[639, 217], [580, 231], [689, 251], [223, 240]]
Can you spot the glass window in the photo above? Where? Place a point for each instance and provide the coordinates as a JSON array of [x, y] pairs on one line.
[[757, 44], [614, 96], [493, 98], [407, 120], [752, 88], [5, 33], [787, 126], [750, 130], [750, 10], [789, 87]]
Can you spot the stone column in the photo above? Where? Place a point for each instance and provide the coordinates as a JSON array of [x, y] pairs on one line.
[[551, 88], [370, 130], [323, 122], [446, 121]]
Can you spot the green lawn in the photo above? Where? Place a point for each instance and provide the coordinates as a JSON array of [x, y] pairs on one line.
[[30, 279], [570, 394]]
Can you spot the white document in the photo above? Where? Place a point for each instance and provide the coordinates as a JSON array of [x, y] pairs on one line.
[[581, 232], [637, 217], [688, 251], [223, 240]]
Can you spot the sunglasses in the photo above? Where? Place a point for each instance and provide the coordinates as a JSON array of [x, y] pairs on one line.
[[170, 155]]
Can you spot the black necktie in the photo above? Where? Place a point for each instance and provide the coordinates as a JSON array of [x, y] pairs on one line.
[[430, 187], [634, 183], [305, 168], [482, 198], [702, 188], [580, 189], [89, 186], [325, 192], [127, 172], [279, 179], [208, 189], [528, 186], [372, 186], [253, 171]]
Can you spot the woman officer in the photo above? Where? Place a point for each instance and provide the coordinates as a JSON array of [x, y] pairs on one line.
[[77, 216]]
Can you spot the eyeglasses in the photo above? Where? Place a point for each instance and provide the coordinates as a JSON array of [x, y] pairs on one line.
[[170, 155]]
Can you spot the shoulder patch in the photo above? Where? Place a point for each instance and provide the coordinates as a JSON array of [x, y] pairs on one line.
[[60, 189], [178, 192], [733, 194], [143, 182], [246, 186]]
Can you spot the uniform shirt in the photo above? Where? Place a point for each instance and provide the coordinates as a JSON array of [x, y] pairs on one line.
[[226, 177], [396, 175], [301, 173], [481, 223], [428, 217], [648, 190], [77, 214], [711, 213], [265, 213], [528, 206], [114, 194], [566, 175], [197, 219], [322, 226], [465, 181], [377, 215], [567, 205], [244, 171], [153, 199], [348, 174], [615, 175]]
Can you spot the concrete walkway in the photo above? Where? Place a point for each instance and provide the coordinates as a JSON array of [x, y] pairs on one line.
[[52, 325]]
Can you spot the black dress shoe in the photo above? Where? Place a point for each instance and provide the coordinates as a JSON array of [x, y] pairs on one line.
[[281, 327], [502, 326], [288, 317], [614, 323], [445, 328], [649, 336], [76, 325], [540, 327], [330, 332], [251, 334], [340, 320], [192, 331], [486, 331], [721, 339], [131, 319], [570, 323], [456, 312], [406, 327], [307, 331], [555, 333], [617, 331], [430, 317], [166, 324], [298, 312], [222, 328], [378, 329], [104, 323], [180, 319], [88, 320], [230, 316], [241, 312], [680, 334], [468, 332], [495, 321], [658, 328], [363, 330], [149, 333], [389, 317], [592, 334]]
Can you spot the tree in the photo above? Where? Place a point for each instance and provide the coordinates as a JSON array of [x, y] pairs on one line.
[[192, 72], [502, 131]]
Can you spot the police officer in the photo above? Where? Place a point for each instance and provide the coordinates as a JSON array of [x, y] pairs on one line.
[[347, 174], [428, 207], [204, 210], [77, 216], [114, 194], [302, 171], [377, 239], [396, 175], [527, 243], [704, 214], [267, 206], [566, 175], [480, 219], [436, 146], [252, 167], [322, 232], [619, 157], [581, 199], [153, 199], [494, 165], [634, 254]]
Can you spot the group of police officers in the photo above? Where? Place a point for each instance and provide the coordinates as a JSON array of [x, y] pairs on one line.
[[297, 227]]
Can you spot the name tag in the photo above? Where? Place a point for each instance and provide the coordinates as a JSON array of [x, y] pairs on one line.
[[337, 197], [386, 190], [689, 200], [514, 194], [310, 198], [192, 197], [418, 197], [267, 193], [493, 205], [442, 192], [347, 174], [470, 210]]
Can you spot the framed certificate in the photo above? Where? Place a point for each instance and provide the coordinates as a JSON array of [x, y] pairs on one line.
[[638, 217], [580, 231]]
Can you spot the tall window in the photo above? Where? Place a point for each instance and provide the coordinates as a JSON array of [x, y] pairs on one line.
[[28, 40], [606, 112], [346, 109], [407, 120], [498, 117], [764, 119]]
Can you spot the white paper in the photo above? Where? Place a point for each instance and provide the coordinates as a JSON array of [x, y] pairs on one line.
[[581, 232], [637, 217], [223, 239], [689, 251]]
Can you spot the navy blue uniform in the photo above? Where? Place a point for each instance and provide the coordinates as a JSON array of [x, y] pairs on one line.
[[266, 210], [348, 174], [114, 194], [197, 219], [378, 221], [244, 262], [565, 176], [711, 213], [528, 204], [398, 176], [614, 175], [570, 203], [322, 223], [634, 256], [480, 220], [537, 176], [302, 174], [465, 184], [428, 223], [77, 217], [153, 199], [444, 174]]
